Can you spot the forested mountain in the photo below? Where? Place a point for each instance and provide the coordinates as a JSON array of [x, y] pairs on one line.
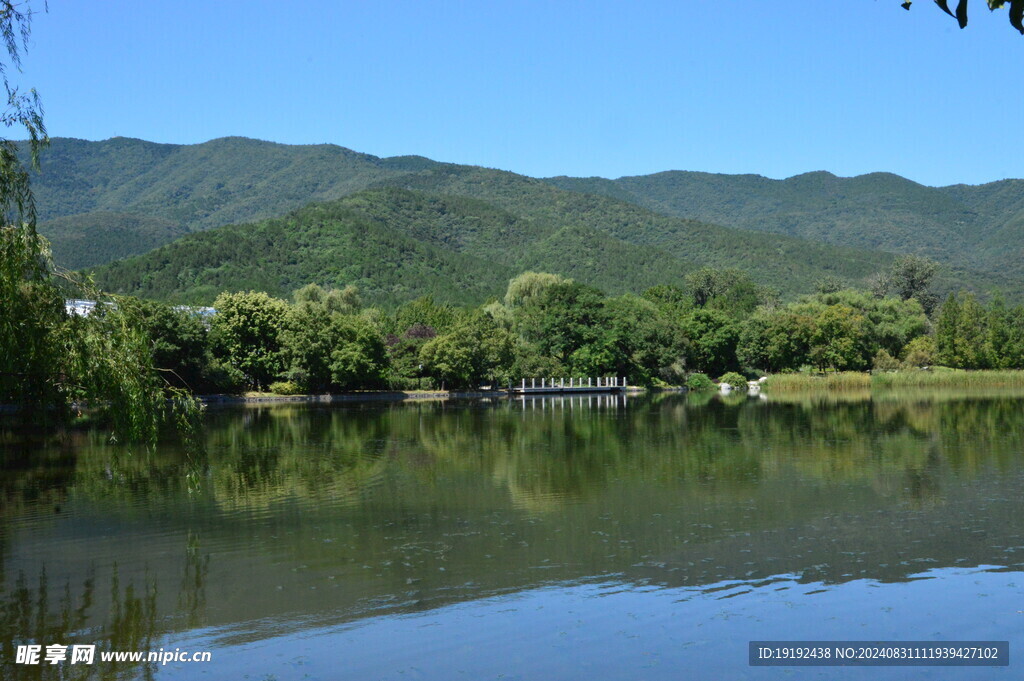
[[789, 264], [333, 244], [91, 238], [190, 187], [978, 227], [99, 201], [395, 245]]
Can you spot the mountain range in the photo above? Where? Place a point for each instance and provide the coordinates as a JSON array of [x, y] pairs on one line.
[[182, 222]]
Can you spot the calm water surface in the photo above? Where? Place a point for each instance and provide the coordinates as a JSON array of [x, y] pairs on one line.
[[611, 538]]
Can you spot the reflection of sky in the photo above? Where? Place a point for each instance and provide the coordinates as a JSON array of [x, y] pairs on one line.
[[613, 631]]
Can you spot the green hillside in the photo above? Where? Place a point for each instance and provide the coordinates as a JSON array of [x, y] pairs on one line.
[[976, 227], [331, 244], [100, 201], [89, 239], [192, 187], [792, 265], [226, 180], [395, 245]]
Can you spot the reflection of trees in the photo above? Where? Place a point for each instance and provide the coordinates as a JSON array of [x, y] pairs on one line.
[[540, 456], [271, 455], [192, 596], [33, 613], [381, 497]]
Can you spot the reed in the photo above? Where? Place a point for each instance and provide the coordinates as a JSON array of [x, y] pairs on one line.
[[950, 378], [856, 380], [843, 380]]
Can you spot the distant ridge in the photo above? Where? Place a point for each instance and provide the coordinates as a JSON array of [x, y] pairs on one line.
[[979, 227], [101, 201]]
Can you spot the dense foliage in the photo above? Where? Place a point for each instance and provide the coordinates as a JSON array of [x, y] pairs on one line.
[[973, 231], [399, 244], [100, 201], [52, 362], [717, 323]]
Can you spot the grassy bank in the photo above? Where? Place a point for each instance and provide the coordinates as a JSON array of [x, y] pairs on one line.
[[855, 380], [843, 380], [949, 378]]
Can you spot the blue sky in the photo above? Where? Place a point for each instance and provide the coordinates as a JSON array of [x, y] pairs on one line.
[[551, 88]]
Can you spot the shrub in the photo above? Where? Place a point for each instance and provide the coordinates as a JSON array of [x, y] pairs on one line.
[[285, 388], [699, 382], [883, 361], [920, 352], [734, 379]]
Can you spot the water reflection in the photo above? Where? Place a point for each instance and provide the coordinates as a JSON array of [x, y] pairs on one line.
[[312, 518]]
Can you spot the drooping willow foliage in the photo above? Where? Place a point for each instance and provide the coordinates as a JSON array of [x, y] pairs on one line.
[[53, 363]]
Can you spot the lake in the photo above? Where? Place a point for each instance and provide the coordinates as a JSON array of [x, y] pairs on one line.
[[589, 538]]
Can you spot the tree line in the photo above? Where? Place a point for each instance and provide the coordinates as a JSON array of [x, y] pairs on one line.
[[721, 321]]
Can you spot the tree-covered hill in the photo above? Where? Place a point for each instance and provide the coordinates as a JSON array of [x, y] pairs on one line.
[[223, 181], [106, 200], [332, 244], [395, 245], [977, 227], [192, 187], [89, 239], [789, 264]]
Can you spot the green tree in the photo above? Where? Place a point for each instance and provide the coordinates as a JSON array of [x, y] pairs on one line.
[[530, 285], [358, 355], [961, 333], [180, 343], [564, 317], [670, 299], [840, 339], [776, 340], [998, 337], [247, 332], [438, 316], [729, 290], [711, 339], [640, 342], [972, 334], [890, 322], [910, 276], [475, 351], [404, 354], [947, 327], [33, 323], [306, 345], [345, 301], [920, 352]]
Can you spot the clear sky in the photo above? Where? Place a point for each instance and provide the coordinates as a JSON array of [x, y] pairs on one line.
[[551, 88]]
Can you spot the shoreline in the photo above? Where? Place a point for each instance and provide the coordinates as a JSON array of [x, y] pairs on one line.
[[367, 396], [378, 396]]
